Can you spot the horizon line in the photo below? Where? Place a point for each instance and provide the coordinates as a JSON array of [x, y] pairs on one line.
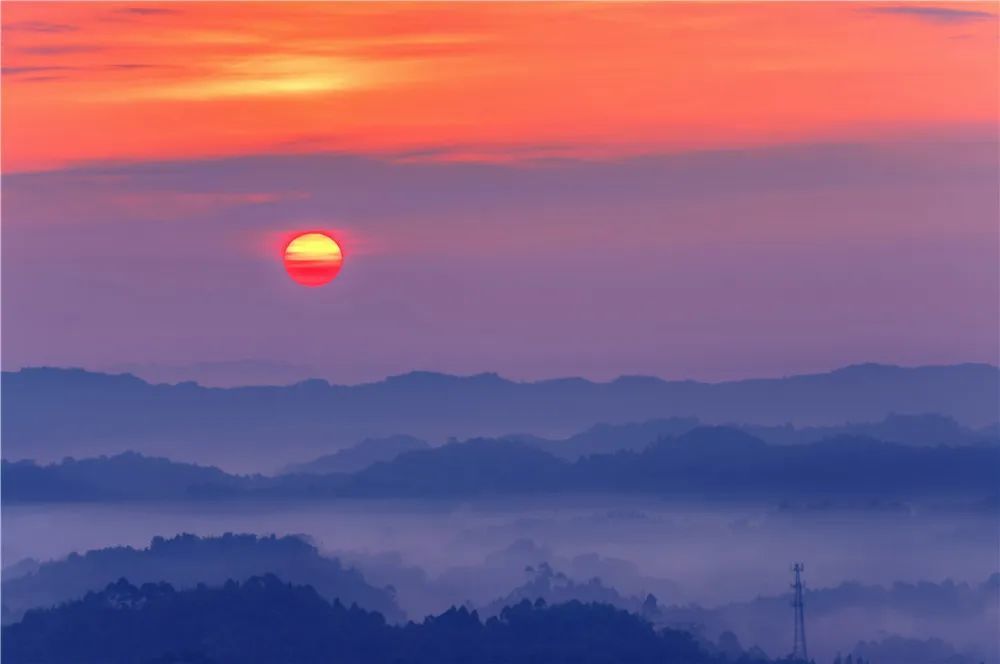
[[487, 374]]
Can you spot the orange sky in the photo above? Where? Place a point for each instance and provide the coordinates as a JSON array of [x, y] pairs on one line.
[[94, 81]]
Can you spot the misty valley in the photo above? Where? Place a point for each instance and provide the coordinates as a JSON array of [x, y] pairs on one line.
[[889, 581], [662, 539]]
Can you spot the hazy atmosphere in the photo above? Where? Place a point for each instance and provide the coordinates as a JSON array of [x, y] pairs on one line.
[[453, 332]]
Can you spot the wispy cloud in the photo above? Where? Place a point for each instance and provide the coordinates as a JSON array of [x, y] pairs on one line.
[[934, 14], [51, 71], [44, 79], [39, 26], [144, 11], [487, 79], [59, 49], [15, 71]]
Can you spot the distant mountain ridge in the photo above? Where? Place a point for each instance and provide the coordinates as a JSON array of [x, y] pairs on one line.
[[928, 429], [360, 456], [50, 413], [706, 462], [128, 475]]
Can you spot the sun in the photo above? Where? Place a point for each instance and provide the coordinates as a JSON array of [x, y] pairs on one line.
[[313, 258]]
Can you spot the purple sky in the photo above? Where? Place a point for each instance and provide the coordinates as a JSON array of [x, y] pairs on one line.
[[709, 265]]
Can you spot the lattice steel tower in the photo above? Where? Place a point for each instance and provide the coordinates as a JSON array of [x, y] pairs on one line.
[[799, 649]]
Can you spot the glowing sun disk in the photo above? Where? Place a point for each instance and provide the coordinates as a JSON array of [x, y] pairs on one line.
[[313, 259]]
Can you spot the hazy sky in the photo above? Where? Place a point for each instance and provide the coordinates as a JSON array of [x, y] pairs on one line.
[[689, 191]]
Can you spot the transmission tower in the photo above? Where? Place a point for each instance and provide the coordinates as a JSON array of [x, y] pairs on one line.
[[799, 649]]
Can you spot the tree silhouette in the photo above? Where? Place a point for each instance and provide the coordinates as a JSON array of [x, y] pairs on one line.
[[265, 620]]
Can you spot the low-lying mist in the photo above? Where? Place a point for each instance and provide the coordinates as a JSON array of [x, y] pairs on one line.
[[705, 563]]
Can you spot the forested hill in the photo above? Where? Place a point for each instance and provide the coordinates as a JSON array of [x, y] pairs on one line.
[[187, 560], [264, 620], [707, 462]]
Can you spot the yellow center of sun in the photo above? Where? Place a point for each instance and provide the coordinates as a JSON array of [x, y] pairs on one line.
[[313, 247]]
